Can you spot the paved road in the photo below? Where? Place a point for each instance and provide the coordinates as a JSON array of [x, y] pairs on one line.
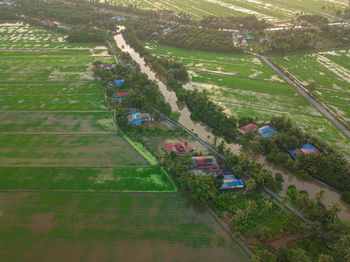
[[304, 8], [322, 109]]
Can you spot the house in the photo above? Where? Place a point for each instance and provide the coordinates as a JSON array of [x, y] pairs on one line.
[[306, 149], [246, 128], [267, 131], [182, 148], [145, 117], [230, 182], [107, 66], [118, 18], [118, 97], [135, 118], [206, 165], [244, 42], [63, 26], [249, 37], [116, 83]]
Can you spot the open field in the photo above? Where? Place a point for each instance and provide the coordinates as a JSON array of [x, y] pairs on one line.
[[330, 71], [252, 89], [110, 227], [140, 179], [266, 9]]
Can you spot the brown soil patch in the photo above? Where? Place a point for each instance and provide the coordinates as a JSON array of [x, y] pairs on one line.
[[285, 240]]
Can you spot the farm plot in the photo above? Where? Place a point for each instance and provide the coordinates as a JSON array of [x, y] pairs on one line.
[[68, 150], [63, 122], [252, 89], [51, 87], [244, 66], [52, 103], [328, 72], [19, 36], [140, 179], [111, 227], [266, 9]]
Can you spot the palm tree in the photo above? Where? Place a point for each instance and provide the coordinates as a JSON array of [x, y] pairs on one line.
[[250, 185], [267, 206], [333, 211], [285, 199], [319, 196], [238, 215], [303, 200], [250, 207]]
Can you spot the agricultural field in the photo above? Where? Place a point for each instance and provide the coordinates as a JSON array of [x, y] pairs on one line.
[[269, 10], [111, 227], [72, 187], [329, 72], [246, 87]]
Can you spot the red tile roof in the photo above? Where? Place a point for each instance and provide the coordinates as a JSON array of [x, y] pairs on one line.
[[246, 128], [122, 94], [180, 148]]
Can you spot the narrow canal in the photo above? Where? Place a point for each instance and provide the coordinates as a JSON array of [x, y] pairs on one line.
[[331, 195]]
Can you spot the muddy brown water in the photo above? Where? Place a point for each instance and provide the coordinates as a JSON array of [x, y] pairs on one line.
[[331, 195]]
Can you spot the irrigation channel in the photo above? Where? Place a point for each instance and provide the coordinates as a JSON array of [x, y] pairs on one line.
[[205, 134]]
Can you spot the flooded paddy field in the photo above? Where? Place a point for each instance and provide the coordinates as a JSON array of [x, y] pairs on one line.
[[329, 75]]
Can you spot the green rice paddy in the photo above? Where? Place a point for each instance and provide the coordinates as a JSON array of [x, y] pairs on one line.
[[247, 87], [110, 227]]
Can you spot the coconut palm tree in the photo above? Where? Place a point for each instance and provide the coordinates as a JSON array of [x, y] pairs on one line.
[[250, 185], [251, 205], [333, 211], [319, 196], [267, 206], [285, 199]]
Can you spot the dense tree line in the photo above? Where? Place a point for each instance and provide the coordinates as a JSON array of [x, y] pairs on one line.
[[251, 23], [200, 39]]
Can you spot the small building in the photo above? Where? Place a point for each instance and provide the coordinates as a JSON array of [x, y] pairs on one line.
[[306, 149], [118, 18], [246, 128], [117, 83], [63, 27], [267, 131], [118, 97], [244, 42], [145, 117], [107, 66], [182, 148], [135, 118], [231, 182], [249, 37], [206, 165]]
